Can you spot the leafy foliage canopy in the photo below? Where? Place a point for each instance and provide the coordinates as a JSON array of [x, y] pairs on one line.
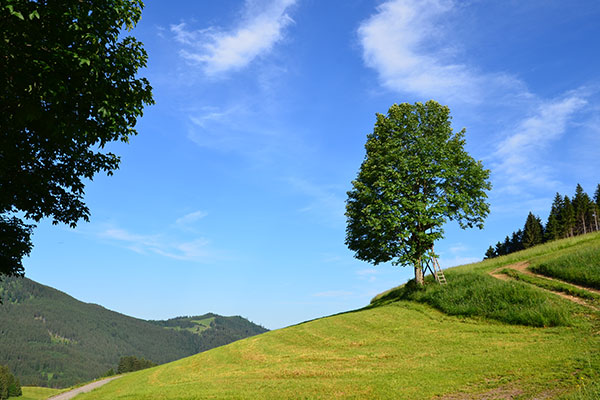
[[69, 88], [416, 176]]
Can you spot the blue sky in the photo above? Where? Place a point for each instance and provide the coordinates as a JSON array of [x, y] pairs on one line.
[[231, 198]]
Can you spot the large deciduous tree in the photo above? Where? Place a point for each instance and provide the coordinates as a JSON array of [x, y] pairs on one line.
[[69, 87], [416, 176]]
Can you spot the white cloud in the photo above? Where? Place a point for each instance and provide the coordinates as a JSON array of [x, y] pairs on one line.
[[529, 142], [191, 217], [209, 115], [219, 51], [192, 250], [407, 43], [135, 242]]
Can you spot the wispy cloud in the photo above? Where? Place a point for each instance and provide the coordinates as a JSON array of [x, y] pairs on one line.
[[221, 130], [197, 249], [407, 43], [219, 51], [210, 115], [191, 218], [326, 202], [529, 142]]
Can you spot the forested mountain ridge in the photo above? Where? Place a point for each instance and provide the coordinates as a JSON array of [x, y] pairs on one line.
[[215, 330], [49, 338]]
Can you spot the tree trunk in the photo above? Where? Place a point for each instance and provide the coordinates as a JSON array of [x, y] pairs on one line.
[[419, 274]]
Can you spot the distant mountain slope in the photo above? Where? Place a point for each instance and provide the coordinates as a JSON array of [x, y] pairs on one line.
[[215, 330], [48, 338]]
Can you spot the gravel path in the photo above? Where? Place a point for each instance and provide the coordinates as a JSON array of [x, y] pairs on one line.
[[83, 389]]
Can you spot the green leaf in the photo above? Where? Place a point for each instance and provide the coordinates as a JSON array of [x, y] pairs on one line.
[[17, 14]]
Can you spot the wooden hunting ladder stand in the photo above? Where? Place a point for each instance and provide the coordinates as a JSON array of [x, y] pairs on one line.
[[434, 267]]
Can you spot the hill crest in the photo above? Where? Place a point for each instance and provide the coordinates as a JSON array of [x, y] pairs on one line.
[[49, 338]]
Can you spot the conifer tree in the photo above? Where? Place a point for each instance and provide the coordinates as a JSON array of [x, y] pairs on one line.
[[507, 245], [533, 232], [516, 241], [500, 249], [552, 231], [597, 208], [581, 208], [490, 253], [567, 218]]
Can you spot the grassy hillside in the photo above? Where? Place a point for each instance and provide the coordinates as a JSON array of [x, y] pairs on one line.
[[580, 266], [48, 338], [406, 347]]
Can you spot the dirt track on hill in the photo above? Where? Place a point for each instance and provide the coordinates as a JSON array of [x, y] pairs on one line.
[[83, 389], [522, 267]]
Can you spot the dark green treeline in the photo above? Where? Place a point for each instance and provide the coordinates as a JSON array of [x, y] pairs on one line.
[[568, 217], [9, 385]]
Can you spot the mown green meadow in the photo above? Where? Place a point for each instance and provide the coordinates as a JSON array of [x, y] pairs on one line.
[[38, 393], [406, 345], [581, 266]]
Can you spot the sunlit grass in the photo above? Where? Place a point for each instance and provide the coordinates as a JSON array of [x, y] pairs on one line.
[[581, 266], [585, 390], [401, 350], [552, 285], [37, 393], [480, 295], [408, 349]]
